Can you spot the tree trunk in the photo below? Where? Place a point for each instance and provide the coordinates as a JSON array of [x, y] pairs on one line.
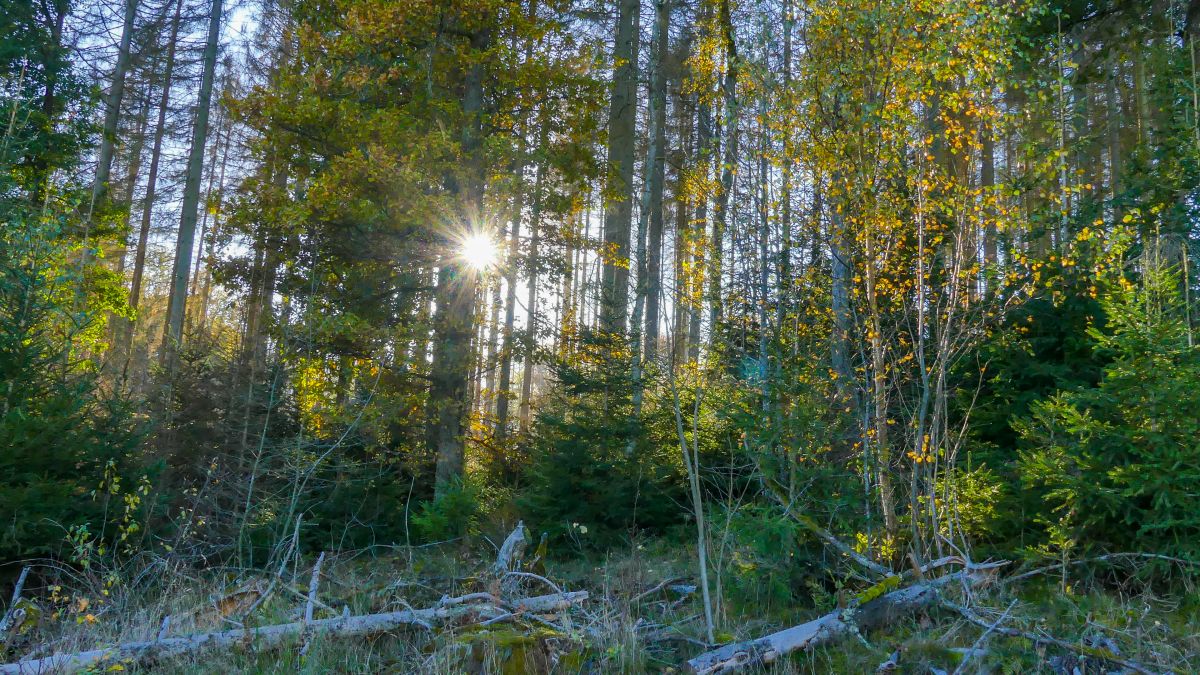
[[210, 256], [535, 224], [173, 335], [112, 109], [139, 263], [504, 395], [453, 323], [215, 170], [618, 210], [987, 181], [135, 171], [656, 158], [728, 162]]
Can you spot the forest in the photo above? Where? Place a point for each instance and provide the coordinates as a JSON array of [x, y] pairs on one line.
[[599, 336]]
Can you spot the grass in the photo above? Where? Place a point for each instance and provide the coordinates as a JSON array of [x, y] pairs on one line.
[[1153, 625]]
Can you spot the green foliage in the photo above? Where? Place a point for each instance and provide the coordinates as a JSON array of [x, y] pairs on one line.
[[459, 510], [61, 437], [593, 465], [58, 432], [767, 562], [1116, 463]]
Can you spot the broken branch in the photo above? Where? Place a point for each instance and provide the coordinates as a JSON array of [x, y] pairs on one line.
[[269, 636]]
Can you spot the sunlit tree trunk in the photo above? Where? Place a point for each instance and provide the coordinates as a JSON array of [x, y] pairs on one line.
[[987, 182], [134, 172], [728, 164], [531, 320], [504, 394], [216, 170]]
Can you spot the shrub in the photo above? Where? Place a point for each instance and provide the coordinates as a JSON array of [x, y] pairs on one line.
[[1117, 463]]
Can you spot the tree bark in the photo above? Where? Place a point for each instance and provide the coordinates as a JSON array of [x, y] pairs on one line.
[[525, 410], [728, 163], [504, 395]]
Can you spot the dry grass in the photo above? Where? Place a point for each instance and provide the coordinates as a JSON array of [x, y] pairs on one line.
[[617, 631]]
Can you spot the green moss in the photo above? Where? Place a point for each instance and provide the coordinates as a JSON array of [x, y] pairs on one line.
[[883, 587]]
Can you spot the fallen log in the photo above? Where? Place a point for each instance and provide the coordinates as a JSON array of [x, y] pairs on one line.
[[879, 605], [268, 636]]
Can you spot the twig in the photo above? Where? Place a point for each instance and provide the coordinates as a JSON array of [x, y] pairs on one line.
[[536, 577], [499, 618], [658, 587], [975, 647], [1102, 558], [1104, 654]]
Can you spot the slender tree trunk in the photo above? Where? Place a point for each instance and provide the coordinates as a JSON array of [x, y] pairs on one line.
[[535, 225], [879, 391], [656, 158], [618, 211], [160, 129], [705, 140], [1113, 114], [136, 150], [504, 395], [210, 256], [173, 335], [492, 362], [682, 240], [840, 242], [112, 109], [785, 197], [214, 170], [728, 164], [987, 181], [566, 330]]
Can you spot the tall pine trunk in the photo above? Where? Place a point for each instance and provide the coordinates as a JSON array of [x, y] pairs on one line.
[[173, 335], [618, 208]]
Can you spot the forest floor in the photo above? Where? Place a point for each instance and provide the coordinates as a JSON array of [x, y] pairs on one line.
[[643, 613]]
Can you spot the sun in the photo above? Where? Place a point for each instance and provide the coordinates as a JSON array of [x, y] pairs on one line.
[[479, 252]]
